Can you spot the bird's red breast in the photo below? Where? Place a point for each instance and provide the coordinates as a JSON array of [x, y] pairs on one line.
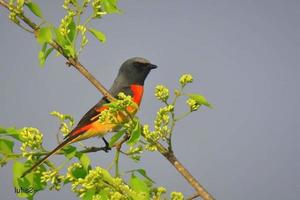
[[138, 91]]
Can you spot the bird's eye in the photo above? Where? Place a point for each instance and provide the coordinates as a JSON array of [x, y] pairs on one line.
[[141, 64], [136, 64]]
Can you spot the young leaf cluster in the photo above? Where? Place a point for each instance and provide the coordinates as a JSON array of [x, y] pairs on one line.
[[72, 32], [166, 117]]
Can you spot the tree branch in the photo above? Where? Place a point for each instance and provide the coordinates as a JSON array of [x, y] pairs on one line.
[[170, 156], [90, 77]]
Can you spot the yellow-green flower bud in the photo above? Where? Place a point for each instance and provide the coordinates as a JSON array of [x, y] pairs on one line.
[[193, 104], [161, 190], [151, 147], [176, 196], [20, 4], [82, 29], [67, 122], [96, 197], [31, 138], [121, 104], [158, 192], [116, 196], [63, 27], [98, 12], [66, 4], [161, 93], [177, 92], [135, 150], [13, 17], [185, 79], [54, 178]]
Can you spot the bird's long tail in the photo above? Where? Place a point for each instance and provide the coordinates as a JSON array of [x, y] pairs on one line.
[[60, 146]]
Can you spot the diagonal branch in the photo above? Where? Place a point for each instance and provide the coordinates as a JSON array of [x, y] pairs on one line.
[[170, 156]]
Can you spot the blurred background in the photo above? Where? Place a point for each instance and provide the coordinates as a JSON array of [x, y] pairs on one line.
[[244, 56]]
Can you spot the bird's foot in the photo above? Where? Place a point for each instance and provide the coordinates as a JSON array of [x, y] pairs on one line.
[[106, 148]]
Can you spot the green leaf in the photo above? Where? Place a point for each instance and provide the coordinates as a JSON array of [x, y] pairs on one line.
[[6, 146], [3, 161], [112, 104], [44, 35], [59, 37], [135, 134], [48, 52], [37, 183], [69, 151], [35, 9], [79, 172], [85, 161], [42, 58], [110, 6], [142, 172], [70, 50], [104, 194], [88, 195], [44, 47], [72, 30], [138, 185], [200, 99], [44, 53], [35, 179], [18, 169], [12, 132], [29, 184], [98, 34], [20, 3], [116, 137]]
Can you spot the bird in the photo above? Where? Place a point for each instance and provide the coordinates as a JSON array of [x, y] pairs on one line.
[[130, 80]]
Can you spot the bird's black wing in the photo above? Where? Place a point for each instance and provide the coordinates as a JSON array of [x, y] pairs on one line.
[[92, 114]]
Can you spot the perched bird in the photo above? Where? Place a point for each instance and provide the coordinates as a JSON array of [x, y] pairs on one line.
[[130, 80]]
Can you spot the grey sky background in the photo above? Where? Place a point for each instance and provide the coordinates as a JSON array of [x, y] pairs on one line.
[[244, 56]]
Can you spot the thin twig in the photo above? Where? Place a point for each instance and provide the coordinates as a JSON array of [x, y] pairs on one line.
[[193, 197], [116, 159], [43, 153], [24, 28], [118, 147]]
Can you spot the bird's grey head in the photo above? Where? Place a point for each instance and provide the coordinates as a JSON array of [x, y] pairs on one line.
[[135, 70]]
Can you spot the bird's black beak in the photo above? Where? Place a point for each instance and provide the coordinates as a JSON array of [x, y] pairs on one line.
[[151, 66]]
